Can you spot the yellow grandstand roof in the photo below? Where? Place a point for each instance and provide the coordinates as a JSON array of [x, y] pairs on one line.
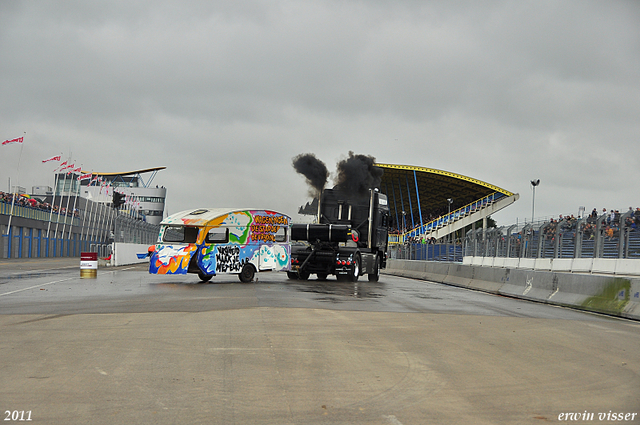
[[435, 187]]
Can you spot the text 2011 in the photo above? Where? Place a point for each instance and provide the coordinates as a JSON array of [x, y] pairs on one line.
[[17, 415]]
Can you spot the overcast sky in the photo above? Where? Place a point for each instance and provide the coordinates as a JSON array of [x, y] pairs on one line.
[[225, 94]]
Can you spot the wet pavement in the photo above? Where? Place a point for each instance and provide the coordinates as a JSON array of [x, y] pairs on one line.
[[129, 347], [35, 287]]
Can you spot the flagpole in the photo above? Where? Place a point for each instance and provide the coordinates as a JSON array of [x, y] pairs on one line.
[[66, 209], [84, 217], [53, 201], [64, 184], [92, 222], [73, 215], [13, 199], [20, 156], [86, 235]]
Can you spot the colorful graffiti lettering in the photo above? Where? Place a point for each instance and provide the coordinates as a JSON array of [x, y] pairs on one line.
[[260, 228], [271, 219], [263, 237], [265, 228], [228, 259]]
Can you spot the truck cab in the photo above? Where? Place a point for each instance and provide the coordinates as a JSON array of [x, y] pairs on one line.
[[349, 240]]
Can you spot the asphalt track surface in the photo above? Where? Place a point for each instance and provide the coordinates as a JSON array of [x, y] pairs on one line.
[[132, 348]]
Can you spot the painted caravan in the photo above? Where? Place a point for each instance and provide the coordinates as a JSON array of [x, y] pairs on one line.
[[214, 241]]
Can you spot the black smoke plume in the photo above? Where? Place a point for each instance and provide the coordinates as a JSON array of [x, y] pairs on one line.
[[314, 170], [357, 174]]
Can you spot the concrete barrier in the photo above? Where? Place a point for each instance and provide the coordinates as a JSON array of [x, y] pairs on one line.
[[129, 253], [582, 265], [621, 267], [561, 264], [602, 293]]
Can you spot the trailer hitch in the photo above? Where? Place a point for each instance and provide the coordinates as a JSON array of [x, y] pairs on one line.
[[313, 253]]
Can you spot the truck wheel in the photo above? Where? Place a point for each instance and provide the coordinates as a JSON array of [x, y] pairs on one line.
[[355, 271], [247, 273], [375, 276], [204, 278], [292, 275]]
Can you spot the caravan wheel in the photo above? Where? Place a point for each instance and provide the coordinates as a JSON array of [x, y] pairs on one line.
[[204, 278], [247, 273]]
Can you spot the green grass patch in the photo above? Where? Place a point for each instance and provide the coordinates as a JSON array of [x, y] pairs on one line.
[[613, 298]]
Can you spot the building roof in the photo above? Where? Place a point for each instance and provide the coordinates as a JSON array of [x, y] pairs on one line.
[[126, 173], [435, 187]]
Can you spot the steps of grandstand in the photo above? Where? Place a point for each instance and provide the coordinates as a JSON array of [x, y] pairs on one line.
[[458, 219]]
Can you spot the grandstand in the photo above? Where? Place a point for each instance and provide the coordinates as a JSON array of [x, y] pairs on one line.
[[427, 203]]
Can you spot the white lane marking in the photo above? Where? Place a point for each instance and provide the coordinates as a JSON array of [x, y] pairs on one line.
[[37, 286], [42, 270], [57, 281]]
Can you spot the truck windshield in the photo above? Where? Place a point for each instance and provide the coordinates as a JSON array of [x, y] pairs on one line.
[[181, 234]]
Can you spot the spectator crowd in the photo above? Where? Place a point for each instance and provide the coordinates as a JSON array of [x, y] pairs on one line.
[[29, 202]]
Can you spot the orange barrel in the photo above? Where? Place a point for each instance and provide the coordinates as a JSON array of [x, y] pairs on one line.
[[88, 264]]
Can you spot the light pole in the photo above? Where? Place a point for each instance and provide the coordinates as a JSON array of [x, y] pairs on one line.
[[534, 183], [450, 201]]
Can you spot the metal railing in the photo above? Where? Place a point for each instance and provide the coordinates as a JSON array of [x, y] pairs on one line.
[[40, 234], [427, 252], [569, 238], [447, 219]]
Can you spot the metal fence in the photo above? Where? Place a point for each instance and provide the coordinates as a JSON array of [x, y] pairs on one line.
[[32, 233], [432, 252], [569, 238]]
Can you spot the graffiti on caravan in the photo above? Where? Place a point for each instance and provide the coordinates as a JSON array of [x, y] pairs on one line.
[[264, 228], [228, 259]]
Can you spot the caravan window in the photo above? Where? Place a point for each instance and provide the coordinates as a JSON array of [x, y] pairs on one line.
[[281, 235], [181, 234], [217, 235]]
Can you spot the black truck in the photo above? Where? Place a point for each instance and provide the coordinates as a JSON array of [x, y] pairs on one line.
[[349, 240]]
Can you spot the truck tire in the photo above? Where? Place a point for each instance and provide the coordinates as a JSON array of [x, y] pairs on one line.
[[355, 271], [204, 278], [375, 276], [292, 275], [247, 273]]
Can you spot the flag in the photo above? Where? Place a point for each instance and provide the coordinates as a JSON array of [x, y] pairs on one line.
[[16, 140], [84, 177], [53, 158], [76, 170]]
